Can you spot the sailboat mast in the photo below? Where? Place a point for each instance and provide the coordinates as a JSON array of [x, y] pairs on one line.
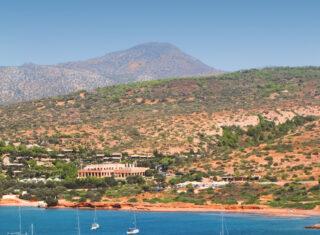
[[135, 220], [78, 222], [20, 229], [222, 225]]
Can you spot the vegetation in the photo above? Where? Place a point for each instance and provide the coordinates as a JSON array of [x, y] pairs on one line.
[[124, 117], [177, 121]]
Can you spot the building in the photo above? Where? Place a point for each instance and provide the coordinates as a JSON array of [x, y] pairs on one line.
[[116, 170], [115, 157], [202, 185], [6, 162], [30, 146], [238, 179], [100, 155], [110, 158], [141, 156], [45, 162]]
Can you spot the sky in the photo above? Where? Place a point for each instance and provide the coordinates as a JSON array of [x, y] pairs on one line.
[[225, 34]]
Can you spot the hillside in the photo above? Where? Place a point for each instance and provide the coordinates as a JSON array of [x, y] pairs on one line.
[[141, 63], [289, 151], [258, 127], [170, 115]]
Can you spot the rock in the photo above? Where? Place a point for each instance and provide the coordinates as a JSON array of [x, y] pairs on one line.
[[316, 226]]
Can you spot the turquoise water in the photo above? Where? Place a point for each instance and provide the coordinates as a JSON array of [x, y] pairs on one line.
[[64, 222]]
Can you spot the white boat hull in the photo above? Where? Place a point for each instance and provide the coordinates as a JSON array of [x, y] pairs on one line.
[[95, 226], [133, 231]]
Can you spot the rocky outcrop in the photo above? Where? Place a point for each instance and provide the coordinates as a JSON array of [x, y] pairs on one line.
[[316, 226]]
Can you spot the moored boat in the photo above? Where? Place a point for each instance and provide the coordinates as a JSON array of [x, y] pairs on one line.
[[20, 230], [134, 230], [95, 225]]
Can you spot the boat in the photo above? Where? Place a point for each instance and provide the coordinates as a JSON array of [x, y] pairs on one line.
[[95, 225], [20, 228], [134, 230], [223, 226], [79, 232]]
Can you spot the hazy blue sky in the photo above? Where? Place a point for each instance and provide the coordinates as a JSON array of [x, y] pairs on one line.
[[225, 34]]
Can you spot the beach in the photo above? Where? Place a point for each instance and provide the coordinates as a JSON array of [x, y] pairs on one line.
[[167, 207]]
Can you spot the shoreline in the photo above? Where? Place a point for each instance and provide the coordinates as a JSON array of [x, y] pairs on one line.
[[170, 207]]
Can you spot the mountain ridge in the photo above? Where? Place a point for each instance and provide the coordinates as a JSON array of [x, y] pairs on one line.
[[143, 62]]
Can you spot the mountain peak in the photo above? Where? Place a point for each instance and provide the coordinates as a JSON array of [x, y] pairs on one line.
[[148, 61], [154, 46], [29, 64], [154, 60]]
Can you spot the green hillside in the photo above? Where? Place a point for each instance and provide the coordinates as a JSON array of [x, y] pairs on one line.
[[143, 113]]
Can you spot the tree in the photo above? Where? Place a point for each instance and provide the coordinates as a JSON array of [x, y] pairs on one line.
[[160, 179], [110, 181], [135, 179], [190, 188], [174, 181]]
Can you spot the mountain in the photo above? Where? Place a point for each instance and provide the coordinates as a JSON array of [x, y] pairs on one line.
[[30, 81], [141, 63], [145, 62]]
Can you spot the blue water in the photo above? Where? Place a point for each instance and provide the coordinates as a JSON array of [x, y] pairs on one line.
[[64, 222]]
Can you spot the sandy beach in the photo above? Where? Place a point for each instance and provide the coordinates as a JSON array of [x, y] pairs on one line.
[[169, 207], [11, 200]]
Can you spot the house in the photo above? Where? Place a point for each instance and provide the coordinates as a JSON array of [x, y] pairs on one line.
[[6, 162], [113, 157], [141, 156], [201, 185], [30, 146], [116, 155], [27, 158], [60, 155], [15, 173], [100, 155], [45, 162], [238, 178]]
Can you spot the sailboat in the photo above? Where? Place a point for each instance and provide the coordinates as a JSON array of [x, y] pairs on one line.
[[95, 225], [223, 226], [134, 230], [20, 228], [78, 222]]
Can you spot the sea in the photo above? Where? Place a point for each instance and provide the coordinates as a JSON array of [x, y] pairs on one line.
[[65, 222]]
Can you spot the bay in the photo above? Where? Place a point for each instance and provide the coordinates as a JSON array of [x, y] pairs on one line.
[[64, 222]]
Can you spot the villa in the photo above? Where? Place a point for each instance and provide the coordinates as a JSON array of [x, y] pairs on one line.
[[116, 170]]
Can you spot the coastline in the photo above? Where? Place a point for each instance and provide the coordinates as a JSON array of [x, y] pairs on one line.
[[169, 207]]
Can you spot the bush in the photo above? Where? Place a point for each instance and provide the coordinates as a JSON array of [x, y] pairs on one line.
[[135, 179], [133, 200]]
